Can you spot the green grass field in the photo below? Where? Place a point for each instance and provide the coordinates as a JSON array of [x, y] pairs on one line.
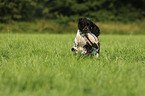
[[43, 65]]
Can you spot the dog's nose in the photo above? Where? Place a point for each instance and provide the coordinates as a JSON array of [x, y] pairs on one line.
[[85, 28]]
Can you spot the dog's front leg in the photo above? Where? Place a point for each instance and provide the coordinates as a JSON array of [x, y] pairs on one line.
[[98, 49], [74, 48]]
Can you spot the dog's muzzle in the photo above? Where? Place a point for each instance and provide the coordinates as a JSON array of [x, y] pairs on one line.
[[86, 28]]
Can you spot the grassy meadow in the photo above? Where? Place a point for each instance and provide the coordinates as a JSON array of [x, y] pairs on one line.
[[64, 26], [43, 65]]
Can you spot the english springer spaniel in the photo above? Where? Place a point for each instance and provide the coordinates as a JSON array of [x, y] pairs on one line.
[[86, 40]]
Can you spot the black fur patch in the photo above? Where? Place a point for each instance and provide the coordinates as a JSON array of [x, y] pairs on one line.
[[86, 25]]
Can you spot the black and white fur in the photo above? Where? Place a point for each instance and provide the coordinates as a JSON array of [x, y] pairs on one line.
[[86, 39]]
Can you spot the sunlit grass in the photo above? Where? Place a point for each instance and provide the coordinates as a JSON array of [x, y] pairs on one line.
[[43, 64], [122, 28], [56, 26]]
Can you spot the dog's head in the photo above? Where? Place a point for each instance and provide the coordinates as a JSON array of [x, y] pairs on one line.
[[84, 25]]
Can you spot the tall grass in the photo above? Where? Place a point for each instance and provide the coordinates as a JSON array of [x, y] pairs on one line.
[[43, 65], [64, 26], [122, 28]]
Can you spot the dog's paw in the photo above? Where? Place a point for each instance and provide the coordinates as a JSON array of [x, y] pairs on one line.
[[84, 52], [97, 55], [73, 49]]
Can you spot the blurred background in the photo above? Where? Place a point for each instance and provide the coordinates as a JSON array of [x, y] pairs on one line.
[[61, 16]]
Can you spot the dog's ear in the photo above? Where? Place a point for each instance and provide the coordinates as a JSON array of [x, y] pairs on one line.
[[80, 19], [79, 24], [95, 29]]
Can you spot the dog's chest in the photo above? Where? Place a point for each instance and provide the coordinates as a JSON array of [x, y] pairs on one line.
[[81, 40]]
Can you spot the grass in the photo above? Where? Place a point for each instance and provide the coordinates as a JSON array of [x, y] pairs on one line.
[[43, 65], [60, 26]]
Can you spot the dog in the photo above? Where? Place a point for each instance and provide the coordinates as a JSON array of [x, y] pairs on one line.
[[86, 40]]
